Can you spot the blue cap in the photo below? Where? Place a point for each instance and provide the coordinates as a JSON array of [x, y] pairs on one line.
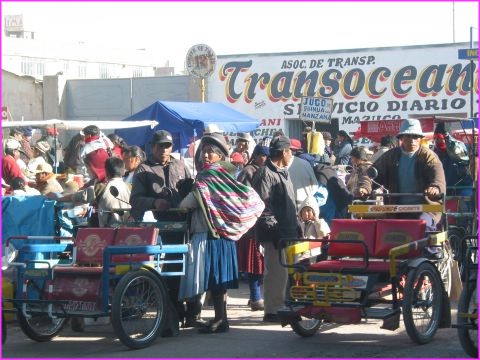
[[27, 131], [261, 150]]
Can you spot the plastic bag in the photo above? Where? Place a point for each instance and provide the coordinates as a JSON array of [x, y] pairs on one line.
[[457, 150]]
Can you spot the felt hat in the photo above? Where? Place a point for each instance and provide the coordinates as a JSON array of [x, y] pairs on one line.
[[42, 146], [217, 140], [410, 127], [44, 168]]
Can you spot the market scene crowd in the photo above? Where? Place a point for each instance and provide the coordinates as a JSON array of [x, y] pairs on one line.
[[279, 187]]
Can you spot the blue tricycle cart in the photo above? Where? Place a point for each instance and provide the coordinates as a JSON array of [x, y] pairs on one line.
[[102, 272]]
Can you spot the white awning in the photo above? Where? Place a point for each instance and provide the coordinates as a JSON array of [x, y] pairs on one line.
[[80, 124]]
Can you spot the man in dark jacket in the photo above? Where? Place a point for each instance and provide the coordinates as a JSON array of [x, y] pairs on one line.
[[412, 168], [272, 182], [154, 186]]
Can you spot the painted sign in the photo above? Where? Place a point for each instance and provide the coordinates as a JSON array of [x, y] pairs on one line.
[[200, 60], [468, 54], [316, 109], [364, 84]]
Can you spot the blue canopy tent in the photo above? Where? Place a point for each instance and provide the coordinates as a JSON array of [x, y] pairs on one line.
[[184, 120]]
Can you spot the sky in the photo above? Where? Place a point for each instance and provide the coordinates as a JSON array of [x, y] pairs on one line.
[[168, 29]]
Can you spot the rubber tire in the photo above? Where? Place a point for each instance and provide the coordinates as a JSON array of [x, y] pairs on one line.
[[28, 325], [32, 333], [122, 287], [410, 298], [300, 329], [464, 335]]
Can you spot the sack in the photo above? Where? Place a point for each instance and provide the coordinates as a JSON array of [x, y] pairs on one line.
[[457, 150]]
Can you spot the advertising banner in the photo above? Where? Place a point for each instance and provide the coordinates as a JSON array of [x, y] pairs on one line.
[[364, 84]]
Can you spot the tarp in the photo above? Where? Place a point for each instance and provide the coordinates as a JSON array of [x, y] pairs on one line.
[[184, 120], [27, 216]]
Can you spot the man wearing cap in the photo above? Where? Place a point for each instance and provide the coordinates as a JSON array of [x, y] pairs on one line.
[[272, 182], [40, 150], [10, 167], [342, 149], [411, 168], [154, 186], [46, 180], [242, 145]]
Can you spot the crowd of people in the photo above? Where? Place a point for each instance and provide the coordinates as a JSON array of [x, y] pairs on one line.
[[246, 200]]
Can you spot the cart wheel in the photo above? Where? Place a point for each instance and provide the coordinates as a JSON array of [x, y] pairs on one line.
[[422, 303], [306, 327], [139, 308], [38, 325], [467, 318]]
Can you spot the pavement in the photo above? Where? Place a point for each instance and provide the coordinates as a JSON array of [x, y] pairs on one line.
[[249, 337]]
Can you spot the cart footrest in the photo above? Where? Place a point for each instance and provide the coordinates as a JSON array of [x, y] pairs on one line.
[[390, 317]]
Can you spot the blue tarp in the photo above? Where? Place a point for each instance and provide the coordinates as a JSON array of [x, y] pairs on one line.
[[27, 216], [182, 118]]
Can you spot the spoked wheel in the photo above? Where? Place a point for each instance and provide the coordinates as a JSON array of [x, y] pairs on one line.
[[139, 308], [422, 303], [37, 325], [467, 319], [306, 327]]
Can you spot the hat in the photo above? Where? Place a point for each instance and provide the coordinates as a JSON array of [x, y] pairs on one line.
[[27, 131], [42, 146], [410, 127], [162, 137], [244, 136], [212, 129], [44, 168], [261, 150], [217, 140], [12, 144], [295, 144], [279, 143], [236, 157], [326, 135]]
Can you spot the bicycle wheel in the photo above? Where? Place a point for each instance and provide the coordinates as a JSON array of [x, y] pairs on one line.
[[467, 318], [422, 303], [306, 327], [37, 325], [139, 308]]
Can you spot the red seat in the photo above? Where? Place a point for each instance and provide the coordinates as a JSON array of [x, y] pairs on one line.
[[351, 229], [452, 206], [395, 232], [90, 244], [132, 236], [339, 265]]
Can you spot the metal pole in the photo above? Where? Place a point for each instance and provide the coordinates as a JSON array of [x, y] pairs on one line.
[[471, 74], [203, 89]]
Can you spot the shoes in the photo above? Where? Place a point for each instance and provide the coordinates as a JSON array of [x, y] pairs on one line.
[[271, 318], [214, 327], [194, 323], [256, 305]]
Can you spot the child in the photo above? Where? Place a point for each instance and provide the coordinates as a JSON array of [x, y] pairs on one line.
[[312, 227]]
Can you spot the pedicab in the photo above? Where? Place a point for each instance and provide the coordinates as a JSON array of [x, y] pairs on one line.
[[375, 268], [102, 272]]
